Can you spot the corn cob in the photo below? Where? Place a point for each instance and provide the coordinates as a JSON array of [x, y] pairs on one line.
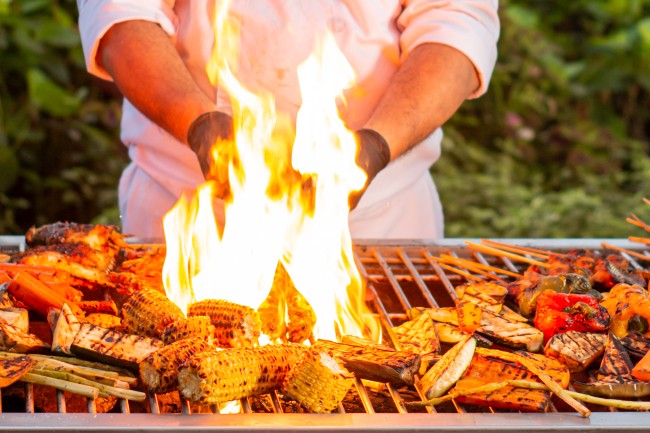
[[318, 382], [147, 312], [159, 371], [235, 325], [219, 376], [193, 326]]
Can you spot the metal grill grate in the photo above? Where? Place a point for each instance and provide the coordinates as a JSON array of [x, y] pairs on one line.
[[399, 276]]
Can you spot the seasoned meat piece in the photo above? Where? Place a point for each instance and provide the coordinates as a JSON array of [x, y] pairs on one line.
[[105, 238]]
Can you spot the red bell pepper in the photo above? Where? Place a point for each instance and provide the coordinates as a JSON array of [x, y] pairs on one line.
[[561, 312]]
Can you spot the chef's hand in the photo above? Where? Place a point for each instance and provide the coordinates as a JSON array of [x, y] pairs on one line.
[[373, 156], [207, 130]]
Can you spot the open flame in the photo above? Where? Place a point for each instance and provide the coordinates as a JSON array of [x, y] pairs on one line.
[[288, 203]]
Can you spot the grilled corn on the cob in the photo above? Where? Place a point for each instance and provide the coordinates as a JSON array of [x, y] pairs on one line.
[[235, 325], [193, 326], [147, 312], [318, 382], [219, 376], [159, 371]]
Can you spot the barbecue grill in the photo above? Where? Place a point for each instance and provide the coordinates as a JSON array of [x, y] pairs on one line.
[[400, 275]]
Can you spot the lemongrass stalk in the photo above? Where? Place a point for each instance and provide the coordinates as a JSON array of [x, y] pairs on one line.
[[104, 390], [63, 385]]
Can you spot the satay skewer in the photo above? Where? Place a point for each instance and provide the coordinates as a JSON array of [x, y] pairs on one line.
[[518, 249], [500, 253], [476, 266], [623, 250]]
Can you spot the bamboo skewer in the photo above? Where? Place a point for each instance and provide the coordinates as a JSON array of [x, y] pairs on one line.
[[460, 272], [645, 241], [623, 250], [635, 220], [500, 253], [518, 249], [476, 265]]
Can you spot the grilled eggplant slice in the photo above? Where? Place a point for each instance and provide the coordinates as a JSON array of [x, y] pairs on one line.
[[451, 366], [628, 388], [636, 344], [372, 363], [576, 349], [616, 362], [113, 347], [514, 334]]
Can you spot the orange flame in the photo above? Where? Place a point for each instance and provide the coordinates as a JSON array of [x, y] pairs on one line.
[[289, 200]]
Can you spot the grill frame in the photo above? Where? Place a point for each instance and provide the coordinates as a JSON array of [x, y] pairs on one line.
[[371, 255]]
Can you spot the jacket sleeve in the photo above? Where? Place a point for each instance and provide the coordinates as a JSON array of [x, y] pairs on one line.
[[97, 16], [470, 26]]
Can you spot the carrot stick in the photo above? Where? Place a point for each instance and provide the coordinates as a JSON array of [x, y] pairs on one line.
[[4, 277], [17, 267], [37, 295], [63, 289]]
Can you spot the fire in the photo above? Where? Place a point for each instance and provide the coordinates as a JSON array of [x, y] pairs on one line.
[[289, 200]]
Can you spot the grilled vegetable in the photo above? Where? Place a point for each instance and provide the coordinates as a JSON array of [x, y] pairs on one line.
[[576, 349], [193, 326], [641, 370], [442, 315], [147, 312], [487, 291], [37, 295], [13, 339], [79, 260], [103, 320], [318, 382], [614, 389], [67, 326], [18, 317], [418, 336], [235, 325], [636, 344], [561, 312], [373, 363], [469, 315], [616, 362], [451, 366], [159, 370], [219, 376], [624, 301], [514, 334], [13, 369], [92, 307], [285, 301], [113, 347]]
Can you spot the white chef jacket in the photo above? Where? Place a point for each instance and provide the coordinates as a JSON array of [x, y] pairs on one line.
[[276, 36]]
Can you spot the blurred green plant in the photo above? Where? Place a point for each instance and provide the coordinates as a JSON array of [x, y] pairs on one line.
[[60, 156], [558, 147]]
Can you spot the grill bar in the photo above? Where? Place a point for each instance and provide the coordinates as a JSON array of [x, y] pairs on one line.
[[399, 276]]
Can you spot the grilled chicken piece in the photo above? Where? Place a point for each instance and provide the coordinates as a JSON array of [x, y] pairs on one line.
[[13, 339], [159, 371], [514, 334], [576, 349], [78, 260], [148, 312], [113, 347], [105, 238], [418, 336], [373, 363], [193, 326], [218, 376], [319, 383], [235, 325], [616, 362]]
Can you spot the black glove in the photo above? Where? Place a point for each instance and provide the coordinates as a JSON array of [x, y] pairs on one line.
[[373, 156], [207, 130]]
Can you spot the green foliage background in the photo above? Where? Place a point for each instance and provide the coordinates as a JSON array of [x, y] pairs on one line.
[[558, 147]]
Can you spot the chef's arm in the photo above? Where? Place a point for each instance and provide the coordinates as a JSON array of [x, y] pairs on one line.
[[149, 72], [430, 85]]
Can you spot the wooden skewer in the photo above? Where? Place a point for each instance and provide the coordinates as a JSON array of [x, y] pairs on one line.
[[496, 252], [623, 250], [458, 271], [475, 265], [645, 241], [635, 220], [646, 201], [521, 250], [441, 260]]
